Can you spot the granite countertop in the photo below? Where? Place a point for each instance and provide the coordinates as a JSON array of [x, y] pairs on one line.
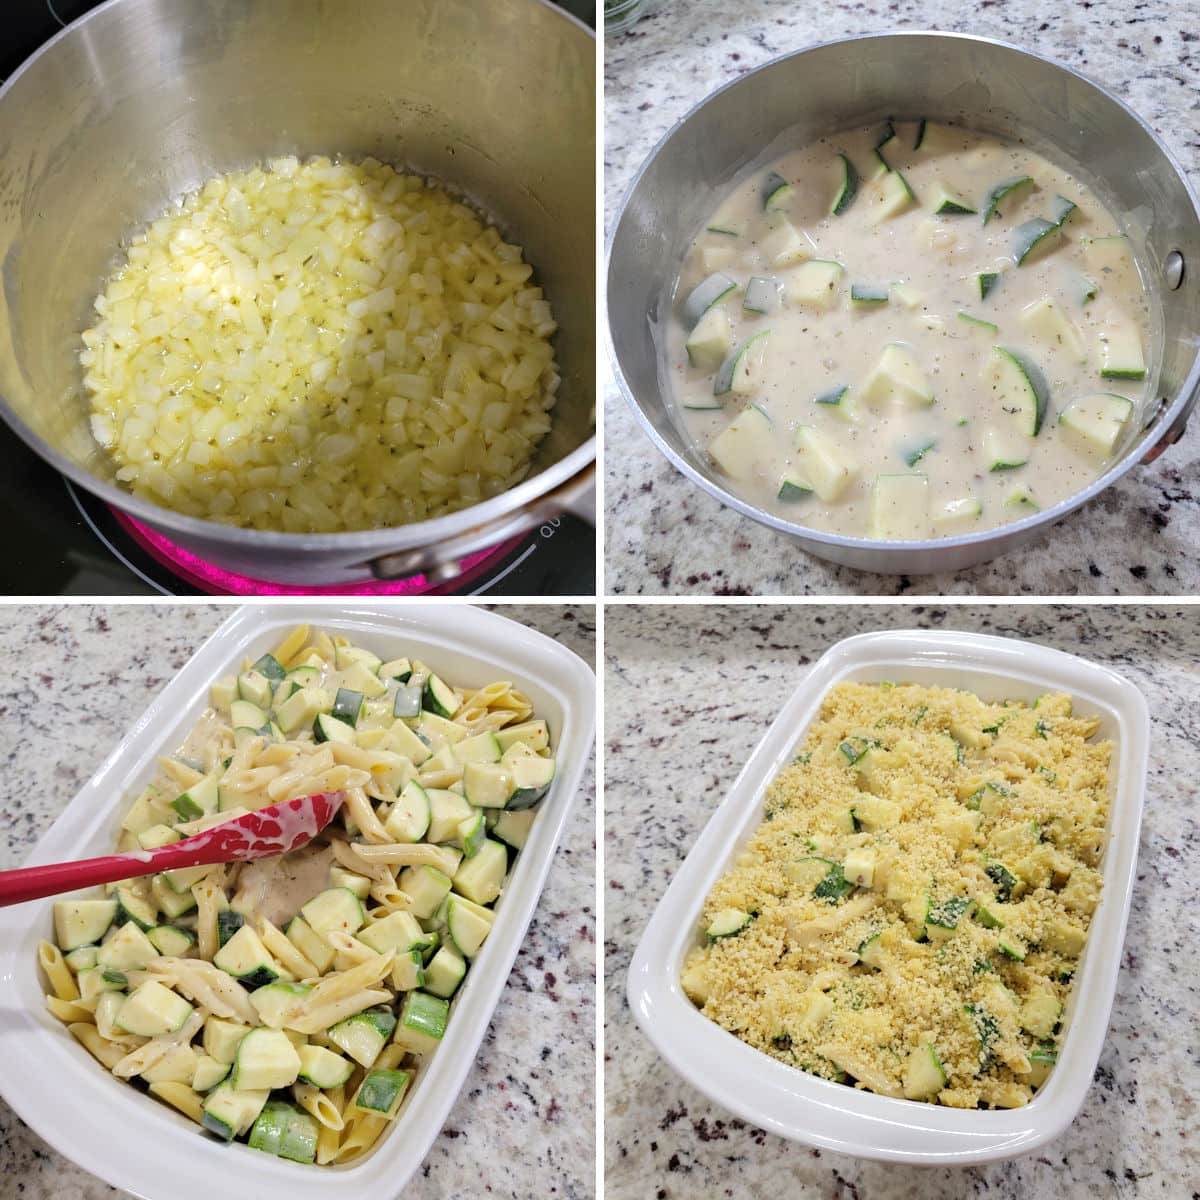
[[666, 535], [689, 692], [79, 676]]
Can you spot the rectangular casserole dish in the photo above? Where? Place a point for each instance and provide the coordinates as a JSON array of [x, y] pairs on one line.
[[803, 1107], [138, 1144]]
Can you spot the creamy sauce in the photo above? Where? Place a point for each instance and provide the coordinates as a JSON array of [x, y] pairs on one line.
[[275, 888], [951, 420]]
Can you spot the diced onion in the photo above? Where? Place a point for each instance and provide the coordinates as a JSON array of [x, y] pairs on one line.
[[315, 347]]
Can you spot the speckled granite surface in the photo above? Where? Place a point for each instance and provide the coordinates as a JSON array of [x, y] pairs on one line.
[[665, 535], [675, 678], [523, 1123]]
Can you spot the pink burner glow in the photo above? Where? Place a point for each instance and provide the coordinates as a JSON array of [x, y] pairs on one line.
[[216, 581]]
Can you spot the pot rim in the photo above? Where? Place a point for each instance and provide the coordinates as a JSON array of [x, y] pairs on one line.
[[1166, 418], [367, 541]]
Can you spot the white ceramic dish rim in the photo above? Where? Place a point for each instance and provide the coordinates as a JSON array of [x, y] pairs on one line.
[[136, 1143], [817, 1112]]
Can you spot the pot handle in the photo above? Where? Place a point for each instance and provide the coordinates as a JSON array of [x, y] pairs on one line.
[[442, 563], [1173, 432]]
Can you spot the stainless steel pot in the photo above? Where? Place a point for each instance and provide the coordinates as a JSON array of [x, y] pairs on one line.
[[976, 82], [141, 100]]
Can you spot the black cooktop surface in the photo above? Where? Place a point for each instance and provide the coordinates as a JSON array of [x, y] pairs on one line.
[[65, 542]]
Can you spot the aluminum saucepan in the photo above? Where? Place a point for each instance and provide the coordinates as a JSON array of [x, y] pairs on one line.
[[142, 100], [978, 83]]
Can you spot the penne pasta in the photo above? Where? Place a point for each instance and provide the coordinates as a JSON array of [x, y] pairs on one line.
[[180, 1096], [395, 854], [62, 982], [218, 964], [88, 1036], [210, 899], [321, 1106], [145, 1056], [359, 808], [291, 645], [285, 951], [315, 1018], [180, 772], [66, 1011], [363, 1133], [349, 858], [208, 986]]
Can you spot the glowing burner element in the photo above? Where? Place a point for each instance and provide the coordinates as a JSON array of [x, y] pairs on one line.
[[217, 581]]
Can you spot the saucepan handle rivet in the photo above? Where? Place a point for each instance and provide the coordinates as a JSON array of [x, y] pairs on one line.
[[1173, 269]]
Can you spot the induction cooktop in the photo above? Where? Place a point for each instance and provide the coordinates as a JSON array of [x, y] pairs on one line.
[[64, 541]]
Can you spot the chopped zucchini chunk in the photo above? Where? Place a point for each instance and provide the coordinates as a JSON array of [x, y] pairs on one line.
[[746, 441], [897, 380], [816, 284], [900, 507], [821, 464], [1097, 421]]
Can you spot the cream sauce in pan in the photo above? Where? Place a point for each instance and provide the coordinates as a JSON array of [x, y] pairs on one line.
[[940, 406]]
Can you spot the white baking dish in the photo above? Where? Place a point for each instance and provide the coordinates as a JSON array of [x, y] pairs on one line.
[[132, 1140], [803, 1107]]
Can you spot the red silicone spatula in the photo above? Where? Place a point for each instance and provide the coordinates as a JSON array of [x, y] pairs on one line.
[[261, 834]]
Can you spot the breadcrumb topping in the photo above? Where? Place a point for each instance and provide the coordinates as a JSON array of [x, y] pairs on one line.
[[909, 914]]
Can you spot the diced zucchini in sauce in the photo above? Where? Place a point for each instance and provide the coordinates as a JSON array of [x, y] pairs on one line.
[[777, 193], [936, 139], [381, 1092], [1108, 255], [704, 295], [946, 202], [82, 922], [709, 343], [977, 325], [889, 196], [746, 441], [1097, 421], [977, 320], [867, 295], [839, 400], [1018, 388], [961, 512], [900, 507], [785, 246], [897, 380], [1022, 499], [793, 488], [229, 1113], [1050, 325], [820, 464], [739, 373], [1121, 352], [715, 258], [286, 1131], [1035, 238], [846, 188], [1001, 192], [1004, 450], [761, 295], [816, 284], [152, 1010]]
